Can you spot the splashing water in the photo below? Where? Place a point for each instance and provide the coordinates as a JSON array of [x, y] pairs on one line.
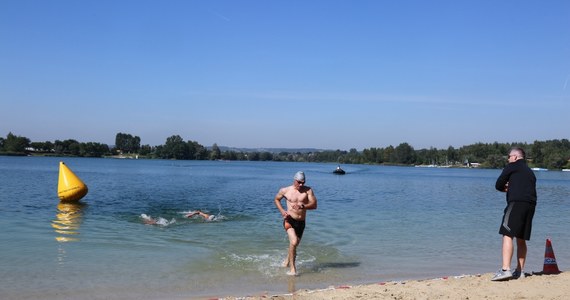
[[158, 221]]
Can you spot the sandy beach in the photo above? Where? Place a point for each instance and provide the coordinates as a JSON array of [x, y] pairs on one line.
[[455, 287]]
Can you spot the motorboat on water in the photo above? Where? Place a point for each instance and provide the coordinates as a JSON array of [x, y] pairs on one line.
[[339, 171]]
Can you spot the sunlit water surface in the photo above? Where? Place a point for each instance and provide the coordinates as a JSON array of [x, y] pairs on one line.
[[374, 224]]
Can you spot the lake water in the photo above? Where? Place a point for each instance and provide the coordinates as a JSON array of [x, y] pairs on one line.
[[374, 224]]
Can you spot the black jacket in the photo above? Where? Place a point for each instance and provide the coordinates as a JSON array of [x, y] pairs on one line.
[[522, 182]]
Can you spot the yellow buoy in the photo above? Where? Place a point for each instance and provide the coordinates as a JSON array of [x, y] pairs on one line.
[[70, 188]]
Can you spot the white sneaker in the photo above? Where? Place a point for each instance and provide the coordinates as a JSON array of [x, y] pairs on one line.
[[502, 275]]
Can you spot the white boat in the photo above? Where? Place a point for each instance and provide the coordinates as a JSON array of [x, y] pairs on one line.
[[539, 169]]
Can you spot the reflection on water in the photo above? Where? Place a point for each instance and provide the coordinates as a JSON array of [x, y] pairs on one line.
[[61, 254], [291, 287], [319, 267], [67, 221]]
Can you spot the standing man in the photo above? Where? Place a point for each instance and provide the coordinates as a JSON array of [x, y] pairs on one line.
[[519, 182], [299, 199]]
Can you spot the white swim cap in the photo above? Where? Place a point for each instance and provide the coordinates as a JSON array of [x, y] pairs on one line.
[[299, 176]]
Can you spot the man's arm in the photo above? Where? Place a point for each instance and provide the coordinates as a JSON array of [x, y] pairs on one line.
[[277, 200], [312, 203], [501, 184]]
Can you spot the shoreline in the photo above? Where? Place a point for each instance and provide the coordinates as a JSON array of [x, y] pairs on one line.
[[534, 286]]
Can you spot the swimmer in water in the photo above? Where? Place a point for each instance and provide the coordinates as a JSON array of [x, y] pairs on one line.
[[147, 219], [158, 221], [204, 215]]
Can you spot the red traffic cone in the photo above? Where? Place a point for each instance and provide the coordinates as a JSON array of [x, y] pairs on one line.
[[550, 266]]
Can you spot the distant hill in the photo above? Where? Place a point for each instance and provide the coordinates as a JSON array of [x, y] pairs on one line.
[[270, 150]]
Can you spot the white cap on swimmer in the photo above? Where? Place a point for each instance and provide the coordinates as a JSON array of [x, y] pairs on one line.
[[299, 176]]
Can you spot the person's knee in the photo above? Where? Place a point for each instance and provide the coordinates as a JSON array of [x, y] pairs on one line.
[[294, 241]]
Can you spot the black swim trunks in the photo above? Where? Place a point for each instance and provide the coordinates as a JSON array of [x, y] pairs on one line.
[[298, 225], [517, 220]]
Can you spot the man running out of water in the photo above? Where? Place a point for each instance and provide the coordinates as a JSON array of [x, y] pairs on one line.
[[299, 199]]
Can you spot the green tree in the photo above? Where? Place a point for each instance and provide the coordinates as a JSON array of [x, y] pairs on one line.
[[158, 152], [353, 156], [15, 144], [215, 153], [452, 154], [127, 143], [37, 146], [230, 155], [74, 148], [175, 148], [196, 151], [404, 154], [145, 150], [91, 149], [388, 154], [373, 155], [265, 156], [495, 161], [253, 156]]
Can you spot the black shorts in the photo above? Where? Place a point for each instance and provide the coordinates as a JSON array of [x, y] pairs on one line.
[[299, 226], [517, 220]]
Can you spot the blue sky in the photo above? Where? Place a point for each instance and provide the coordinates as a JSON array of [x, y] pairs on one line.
[[320, 74]]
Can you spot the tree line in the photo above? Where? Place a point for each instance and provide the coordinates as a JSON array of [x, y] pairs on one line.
[[550, 154]]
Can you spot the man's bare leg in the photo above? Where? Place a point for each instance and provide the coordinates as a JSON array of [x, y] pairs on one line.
[[507, 252], [521, 254], [286, 262], [292, 252], [291, 255]]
